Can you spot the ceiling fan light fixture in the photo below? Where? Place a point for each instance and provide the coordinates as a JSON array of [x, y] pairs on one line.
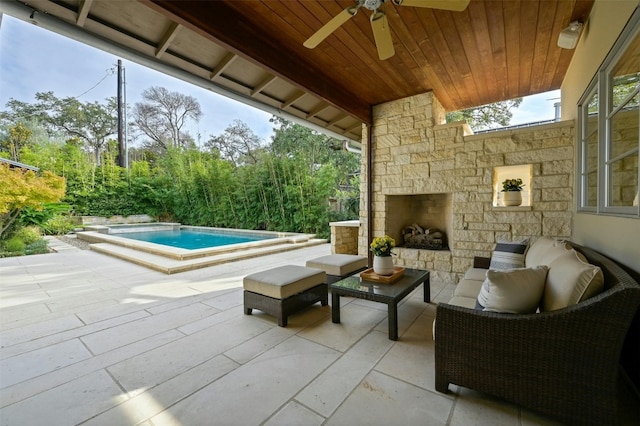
[[371, 4], [379, 22], [568, 38]]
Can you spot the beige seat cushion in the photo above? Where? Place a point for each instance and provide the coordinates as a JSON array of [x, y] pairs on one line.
[[283, 281], [569, 281], [465, 302], [468, 288], [543, 251], [478, 274], [339, 264]]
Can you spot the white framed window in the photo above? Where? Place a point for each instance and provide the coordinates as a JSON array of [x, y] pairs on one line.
[[609, 131]]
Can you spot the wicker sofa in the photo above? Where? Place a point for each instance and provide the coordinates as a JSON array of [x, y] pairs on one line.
[[563, 363]]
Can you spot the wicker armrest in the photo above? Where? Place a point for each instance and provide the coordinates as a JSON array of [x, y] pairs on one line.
[[481, 262], [539, 360]]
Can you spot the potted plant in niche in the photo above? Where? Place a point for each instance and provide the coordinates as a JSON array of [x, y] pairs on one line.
[[511, 189], [382, 261]]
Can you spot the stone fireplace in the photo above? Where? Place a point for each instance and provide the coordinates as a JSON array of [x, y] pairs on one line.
[[430, 213], [442, 176]]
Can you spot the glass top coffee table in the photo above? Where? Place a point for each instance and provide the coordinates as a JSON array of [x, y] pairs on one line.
[[390, 294]]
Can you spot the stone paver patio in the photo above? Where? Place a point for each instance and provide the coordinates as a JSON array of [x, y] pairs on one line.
[[88, 339]]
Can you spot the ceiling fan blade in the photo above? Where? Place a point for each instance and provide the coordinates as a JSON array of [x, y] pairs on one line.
[[382, 35], [455, 5], [330, 27]]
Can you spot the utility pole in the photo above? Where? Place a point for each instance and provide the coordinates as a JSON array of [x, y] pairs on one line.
[[122, 152]]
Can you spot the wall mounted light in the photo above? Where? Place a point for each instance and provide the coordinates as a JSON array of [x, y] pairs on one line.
[[568, 37]]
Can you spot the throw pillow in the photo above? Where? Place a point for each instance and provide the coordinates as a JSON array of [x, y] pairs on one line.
[[544, 250], [569, 281], [508, 255], [515, 291]]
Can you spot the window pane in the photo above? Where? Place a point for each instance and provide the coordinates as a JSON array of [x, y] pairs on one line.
[[625, 75], [592, 171], [590, 152], [624, 181], [592, 190], [622, 150], [624, 130]]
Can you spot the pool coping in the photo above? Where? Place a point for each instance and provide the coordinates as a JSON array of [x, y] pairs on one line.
[[99, 235]]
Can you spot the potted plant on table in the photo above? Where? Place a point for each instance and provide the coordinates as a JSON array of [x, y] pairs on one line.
[[511, 189], [382, 261]]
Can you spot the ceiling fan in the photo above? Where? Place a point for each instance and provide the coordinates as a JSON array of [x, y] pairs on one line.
[[379, 23]]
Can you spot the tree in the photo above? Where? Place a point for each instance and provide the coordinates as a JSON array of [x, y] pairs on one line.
[[92, 122], [237, 144], [162, 116], [22, 112], [24, 188], [294, 140], [486, 116], [18, 137]]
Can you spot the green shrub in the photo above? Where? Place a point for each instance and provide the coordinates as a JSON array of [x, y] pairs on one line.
[[30, 216], [37, 247], [59, 225], [29, 234], [14, 245]]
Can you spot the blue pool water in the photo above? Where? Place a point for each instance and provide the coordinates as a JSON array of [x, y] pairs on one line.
[[187, 239]]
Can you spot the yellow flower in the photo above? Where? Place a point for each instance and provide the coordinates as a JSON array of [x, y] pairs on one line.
[[381, 246]]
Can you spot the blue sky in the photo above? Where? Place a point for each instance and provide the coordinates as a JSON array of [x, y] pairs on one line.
[[33, 60]]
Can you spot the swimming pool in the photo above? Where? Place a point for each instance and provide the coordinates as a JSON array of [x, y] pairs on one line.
[[182, 242], [192, 239]]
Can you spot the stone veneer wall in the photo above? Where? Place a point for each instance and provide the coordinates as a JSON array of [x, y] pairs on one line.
[[413, 153], [344, 237]]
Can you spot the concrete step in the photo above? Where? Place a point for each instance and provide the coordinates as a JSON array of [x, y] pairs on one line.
[[172, 266]]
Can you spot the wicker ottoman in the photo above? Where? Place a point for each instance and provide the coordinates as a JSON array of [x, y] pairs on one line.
[[339, 266], [284, 290]]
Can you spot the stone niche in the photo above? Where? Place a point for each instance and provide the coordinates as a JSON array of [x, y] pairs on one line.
[[429, 211]]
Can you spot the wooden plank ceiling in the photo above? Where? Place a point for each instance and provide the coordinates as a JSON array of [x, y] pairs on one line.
[[493, 50]]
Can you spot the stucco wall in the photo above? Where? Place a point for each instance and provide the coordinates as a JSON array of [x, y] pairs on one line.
[[600, 32], [616, 237]]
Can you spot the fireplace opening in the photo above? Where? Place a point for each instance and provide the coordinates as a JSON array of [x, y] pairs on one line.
[[415, 236], [422, 221]]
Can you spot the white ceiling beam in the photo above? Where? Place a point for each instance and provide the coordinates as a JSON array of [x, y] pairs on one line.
[[83, 12], [352, 128], [167, 38], [337, 119], [318, 109], [264, 83], [223, 64], [292, 99]]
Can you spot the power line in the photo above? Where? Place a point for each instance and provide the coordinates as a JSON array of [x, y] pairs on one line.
[[109, 72]]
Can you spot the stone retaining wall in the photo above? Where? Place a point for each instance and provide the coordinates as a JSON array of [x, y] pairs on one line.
[[100, 220]]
